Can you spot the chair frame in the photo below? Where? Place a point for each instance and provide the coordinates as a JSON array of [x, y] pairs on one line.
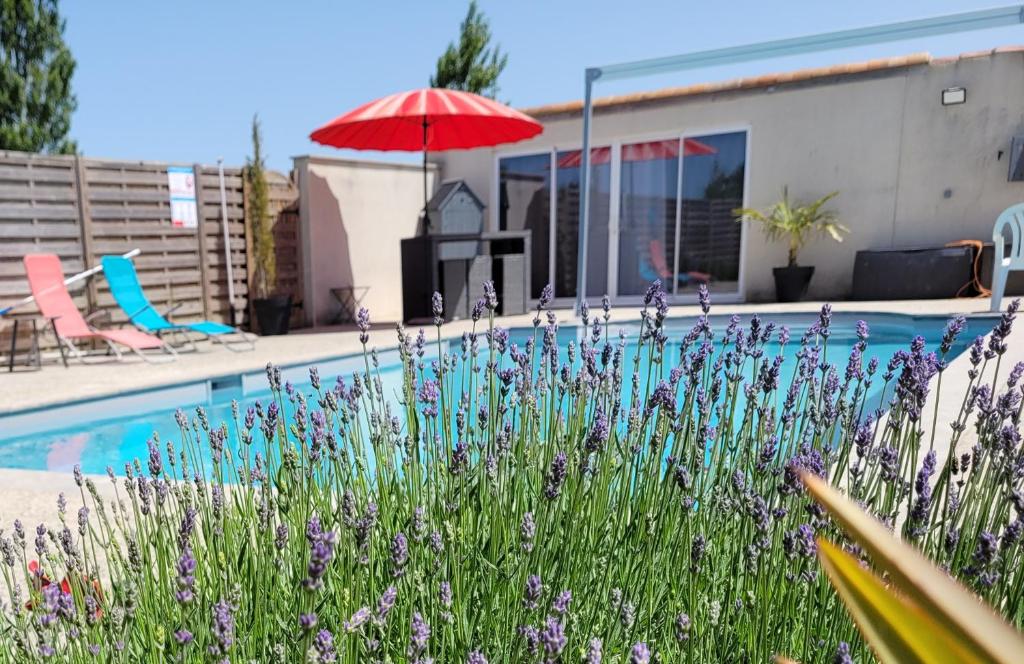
[[1002, 264]]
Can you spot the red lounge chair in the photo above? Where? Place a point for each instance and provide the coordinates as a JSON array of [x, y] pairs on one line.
[[665, 274], [46, 279]]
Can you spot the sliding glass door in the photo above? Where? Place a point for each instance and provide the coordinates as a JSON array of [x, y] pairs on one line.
[[672, 218]]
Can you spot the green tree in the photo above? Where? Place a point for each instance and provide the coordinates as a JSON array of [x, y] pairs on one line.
[[471, 64], [264, 258], [36, 66]]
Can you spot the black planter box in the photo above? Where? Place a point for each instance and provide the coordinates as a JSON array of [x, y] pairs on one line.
[[912, 274]]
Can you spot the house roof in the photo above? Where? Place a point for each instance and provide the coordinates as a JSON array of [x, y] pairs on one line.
[[812, 74], [447, 190]]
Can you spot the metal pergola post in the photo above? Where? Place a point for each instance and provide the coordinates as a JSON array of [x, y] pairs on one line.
[[877, 34]]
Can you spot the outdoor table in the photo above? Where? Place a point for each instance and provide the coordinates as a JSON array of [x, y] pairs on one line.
[[33, 355], [349, 297]]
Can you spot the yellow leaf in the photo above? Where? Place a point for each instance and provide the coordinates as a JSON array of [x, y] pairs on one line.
[[945, 602], [898, 631]]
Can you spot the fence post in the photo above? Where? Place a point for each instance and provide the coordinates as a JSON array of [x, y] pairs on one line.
[[204, 272], [85, 227], [250, 263]]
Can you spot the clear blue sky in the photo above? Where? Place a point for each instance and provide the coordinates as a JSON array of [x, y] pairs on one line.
[[180, 81]]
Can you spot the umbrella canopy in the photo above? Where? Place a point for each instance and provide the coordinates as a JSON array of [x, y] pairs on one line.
[[427, 119]]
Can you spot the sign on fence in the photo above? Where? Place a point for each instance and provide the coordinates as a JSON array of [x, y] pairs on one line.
[[181, 181]]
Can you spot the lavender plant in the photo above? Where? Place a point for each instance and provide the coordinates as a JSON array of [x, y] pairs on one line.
[[532, 504]]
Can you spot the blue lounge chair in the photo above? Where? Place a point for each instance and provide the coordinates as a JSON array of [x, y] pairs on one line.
[[127, 292]]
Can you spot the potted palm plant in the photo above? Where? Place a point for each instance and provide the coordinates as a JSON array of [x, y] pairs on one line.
[[796, 223], [272, 310]]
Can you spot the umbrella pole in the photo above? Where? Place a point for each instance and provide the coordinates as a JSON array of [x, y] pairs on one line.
[[426, 212]]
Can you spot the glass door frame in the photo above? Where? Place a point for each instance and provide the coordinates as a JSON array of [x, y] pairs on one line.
[[615, 194]]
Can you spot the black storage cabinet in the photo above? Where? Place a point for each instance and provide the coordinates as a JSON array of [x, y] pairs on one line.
[[911, 274]]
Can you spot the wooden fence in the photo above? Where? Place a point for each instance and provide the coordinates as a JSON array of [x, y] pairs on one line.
[[82, 209]]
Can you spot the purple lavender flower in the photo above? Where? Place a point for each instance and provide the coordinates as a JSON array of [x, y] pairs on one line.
[[186, 576], [824, 320], [429, 395], [418, 636], [917, 521], [953, 329], [599, 432], [399, 554], [640, 654], [323, 648], [682, 628], [155, 462], [531, 638], [704, 298], [182, 636], [460, 459], [594, 654], [555, 476], [281, 536], [627, 615], [697, 549], [437, 308], [664, 397], [222, 627], [490, 295], [862, 332], [553, 637], [436, 542], [358, 619], [386, 603], [307, 621], [842, 655], [444, 594], [546, 295], [478, 309], [527, 531], [561, 603], [531, 595], [997, 340], [363, 323], [476, 657], [321, 551]]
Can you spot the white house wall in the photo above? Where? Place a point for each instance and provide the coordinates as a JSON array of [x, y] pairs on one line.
[[910, 171]]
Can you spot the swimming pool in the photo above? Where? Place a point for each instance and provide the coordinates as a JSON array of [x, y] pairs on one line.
[[113, 431]]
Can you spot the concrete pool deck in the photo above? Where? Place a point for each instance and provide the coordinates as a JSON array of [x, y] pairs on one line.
[[31, 494]]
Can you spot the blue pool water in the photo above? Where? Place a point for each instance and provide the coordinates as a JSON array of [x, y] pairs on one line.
[[114, 431]]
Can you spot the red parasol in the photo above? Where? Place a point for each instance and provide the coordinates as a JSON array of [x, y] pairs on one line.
[[428, 119]]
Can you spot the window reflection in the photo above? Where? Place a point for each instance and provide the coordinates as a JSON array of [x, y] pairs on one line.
[[647, 214], [713, 178], [524, 204], [567, 221]]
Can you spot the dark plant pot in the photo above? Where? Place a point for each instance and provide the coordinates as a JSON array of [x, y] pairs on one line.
[[273, 314], [791, 282]]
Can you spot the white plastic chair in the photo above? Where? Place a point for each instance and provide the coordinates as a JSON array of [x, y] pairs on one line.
[[1003, 264]]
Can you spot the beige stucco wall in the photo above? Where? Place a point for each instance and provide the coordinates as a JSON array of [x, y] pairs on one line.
[[910, 171], [354, 215]]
